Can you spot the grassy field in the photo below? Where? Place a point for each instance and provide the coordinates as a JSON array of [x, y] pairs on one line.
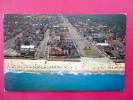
[[90, 52], [115, 53]]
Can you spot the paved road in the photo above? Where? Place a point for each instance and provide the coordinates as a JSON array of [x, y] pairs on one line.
[[43, 46], [118, 43], [74, 35], [8, 43], [79, 40]]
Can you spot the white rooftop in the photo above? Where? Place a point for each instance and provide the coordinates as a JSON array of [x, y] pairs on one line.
[[103, 44], [27, 46]]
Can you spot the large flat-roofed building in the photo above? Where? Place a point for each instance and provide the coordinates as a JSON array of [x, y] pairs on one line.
[[102, 44], [27, 47]]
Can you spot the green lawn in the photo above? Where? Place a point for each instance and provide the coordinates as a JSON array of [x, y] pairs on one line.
[[90, 52], [115, 53]]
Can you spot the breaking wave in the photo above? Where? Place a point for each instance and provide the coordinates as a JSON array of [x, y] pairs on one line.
[[120, 73], [87, 73], [74, 73], [12, 71], [33, 73], [60, 73]]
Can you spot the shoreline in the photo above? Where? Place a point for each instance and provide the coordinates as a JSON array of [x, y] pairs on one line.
[[40, 66], [67, 72]]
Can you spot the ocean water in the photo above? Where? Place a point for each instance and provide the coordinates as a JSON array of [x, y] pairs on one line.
[[22, 81]]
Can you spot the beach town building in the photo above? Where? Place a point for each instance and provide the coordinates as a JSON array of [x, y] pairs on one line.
[[102, 44]]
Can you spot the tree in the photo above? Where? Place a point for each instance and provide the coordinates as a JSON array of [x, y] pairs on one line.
[[85, 48], [64, 45], [26, 42], [58, 44], [48, 43], [84, 35]]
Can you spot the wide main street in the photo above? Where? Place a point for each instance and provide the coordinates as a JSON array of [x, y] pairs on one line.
[[42, 48], [74, 35], [79, 40]]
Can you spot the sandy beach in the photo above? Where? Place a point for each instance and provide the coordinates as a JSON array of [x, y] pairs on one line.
[[43, 66]]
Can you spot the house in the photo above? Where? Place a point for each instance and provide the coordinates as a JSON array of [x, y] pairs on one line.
[[55, 26], [108, 41], [73, 50], [29, 54], [118, 48], [66, 50], [54, 51]]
